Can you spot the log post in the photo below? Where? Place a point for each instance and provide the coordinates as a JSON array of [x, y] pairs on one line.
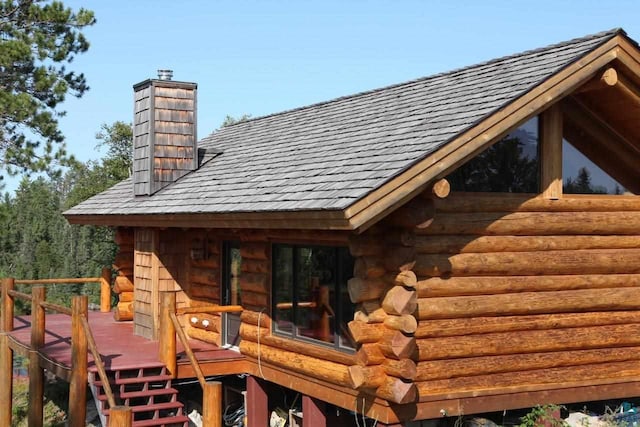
[[105, 290], [79, 363], [439, 189], [6, 354], [257, 409], [313, 412], [36, 374], [167, 335], [212, 404], [120, 416]]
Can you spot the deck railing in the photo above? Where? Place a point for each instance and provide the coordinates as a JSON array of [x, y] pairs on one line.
[[170, 327], [82, 341]]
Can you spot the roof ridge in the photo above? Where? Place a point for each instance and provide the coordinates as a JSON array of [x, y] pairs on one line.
[[611, 33]]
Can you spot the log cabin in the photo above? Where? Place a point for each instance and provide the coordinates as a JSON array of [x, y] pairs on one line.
[[457, 244]]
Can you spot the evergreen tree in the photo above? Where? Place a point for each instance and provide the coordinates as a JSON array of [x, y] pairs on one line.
[[38, 39]]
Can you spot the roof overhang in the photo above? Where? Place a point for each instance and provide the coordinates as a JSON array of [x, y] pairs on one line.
[[405, 186]]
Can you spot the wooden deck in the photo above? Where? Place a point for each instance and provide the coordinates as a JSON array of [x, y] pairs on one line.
[[119, 348]]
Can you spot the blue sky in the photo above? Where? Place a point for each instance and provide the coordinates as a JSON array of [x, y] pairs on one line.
[[261, 57]]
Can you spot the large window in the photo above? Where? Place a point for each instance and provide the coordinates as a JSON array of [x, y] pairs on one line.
[[582, 176], [310, 297], [510, 165]]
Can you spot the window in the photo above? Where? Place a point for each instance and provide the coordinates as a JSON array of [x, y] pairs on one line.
[[581, 176], [310, 297], [510, 165]]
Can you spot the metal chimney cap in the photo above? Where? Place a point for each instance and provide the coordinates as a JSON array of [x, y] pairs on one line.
[[165, 74]]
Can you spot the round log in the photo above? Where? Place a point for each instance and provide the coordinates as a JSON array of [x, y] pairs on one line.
[[366, 332], [122, 284], [396, 345], [210, 337], [365, 289], [125, 297], [588, 261], [255, 301], [417, 213], [448, 244], [123, 311], [528, 342], [397, 391], [440, 189], [256, 318], [484, 365], [581, 300], [400, 301], [405, 368], [459, 202], [535, 223], [366, 376], [209, 293], [332, 372], [404, 278], [458, 286], [255, 266], [483, 325], [399, 259], [369, 354], [206, 321], [405, 323], [251, 333], [368, 267]]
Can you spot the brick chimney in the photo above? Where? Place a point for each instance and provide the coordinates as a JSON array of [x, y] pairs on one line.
[[164, 132]]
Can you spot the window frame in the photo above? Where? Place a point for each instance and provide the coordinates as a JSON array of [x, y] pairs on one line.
[[342, 277]]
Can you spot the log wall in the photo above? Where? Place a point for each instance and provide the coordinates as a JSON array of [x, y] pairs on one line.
[[123, 267], [518, 293]]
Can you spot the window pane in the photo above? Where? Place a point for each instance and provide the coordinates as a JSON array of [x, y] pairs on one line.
[[234, 274], [345, 264], [508, 166], [581, 176], [283, 288], [316, 283]]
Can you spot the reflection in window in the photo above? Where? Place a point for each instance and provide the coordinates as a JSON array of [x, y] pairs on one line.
[[508, 166], [581, 176], [310, 294]]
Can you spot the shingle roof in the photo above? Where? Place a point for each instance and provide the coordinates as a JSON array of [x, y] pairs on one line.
[[329, 155]]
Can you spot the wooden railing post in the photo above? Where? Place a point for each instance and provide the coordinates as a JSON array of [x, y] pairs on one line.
[[167, 336], [105, 290], [79, 362], [212, 404], [36, 373], [120, 416], [6, 354]]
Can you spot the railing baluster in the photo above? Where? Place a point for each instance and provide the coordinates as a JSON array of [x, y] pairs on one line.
[[6, 354], [36, 373], [79, 363]]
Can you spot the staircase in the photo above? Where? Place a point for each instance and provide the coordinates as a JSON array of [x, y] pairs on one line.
[[147, 390]]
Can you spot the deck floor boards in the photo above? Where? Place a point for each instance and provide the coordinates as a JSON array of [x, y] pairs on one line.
[[118, 346]]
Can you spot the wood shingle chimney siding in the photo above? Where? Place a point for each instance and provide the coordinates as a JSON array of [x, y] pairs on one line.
[[164, 133]]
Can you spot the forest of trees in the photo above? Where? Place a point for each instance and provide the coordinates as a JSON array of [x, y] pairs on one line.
[[36, 241]]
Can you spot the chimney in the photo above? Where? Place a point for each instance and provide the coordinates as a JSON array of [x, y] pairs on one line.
[[164, 132]]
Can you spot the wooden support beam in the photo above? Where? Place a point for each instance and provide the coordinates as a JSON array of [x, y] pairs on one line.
[[120, 416], [79, 363], [212, 404], [105, 290], [629, 89], [6, 354], [36, 373], [313, 412], [257, 409], [439, 189], [551, 153], [605, 79], [167, 334]]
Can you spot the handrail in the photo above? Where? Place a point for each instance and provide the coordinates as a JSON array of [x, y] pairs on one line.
[[187, 349], [97, 359], [56, 307], [18, 294], [210, 309], [57, 281]]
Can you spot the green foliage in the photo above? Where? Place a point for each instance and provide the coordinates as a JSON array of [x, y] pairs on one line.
[[230, 120], [39, 38], [542, 415], [56, 398], [36, 241]]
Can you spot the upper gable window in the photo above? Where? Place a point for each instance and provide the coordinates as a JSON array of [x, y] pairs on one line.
[[510, 165], [581, 176]]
